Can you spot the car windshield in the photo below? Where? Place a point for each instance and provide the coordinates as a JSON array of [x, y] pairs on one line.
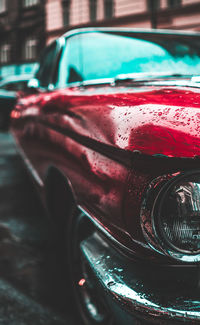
[[98, 55]]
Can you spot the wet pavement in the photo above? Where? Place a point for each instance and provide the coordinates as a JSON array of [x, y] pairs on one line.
[[33, 287]]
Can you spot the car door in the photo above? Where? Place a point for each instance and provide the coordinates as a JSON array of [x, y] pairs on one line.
[[71, 129], [62, 128]]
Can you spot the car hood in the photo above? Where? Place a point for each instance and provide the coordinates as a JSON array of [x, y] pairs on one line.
[[161, 121], [153, 119]]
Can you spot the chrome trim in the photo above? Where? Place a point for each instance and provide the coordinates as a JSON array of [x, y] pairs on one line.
[[154, 193], [146, 210], [124, 283]]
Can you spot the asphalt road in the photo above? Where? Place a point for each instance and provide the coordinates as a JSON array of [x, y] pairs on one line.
[[32, 276]]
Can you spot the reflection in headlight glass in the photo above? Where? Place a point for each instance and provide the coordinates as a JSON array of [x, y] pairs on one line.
[[179, 217]]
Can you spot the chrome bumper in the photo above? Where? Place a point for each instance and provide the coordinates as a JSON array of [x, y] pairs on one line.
[[127, 285]]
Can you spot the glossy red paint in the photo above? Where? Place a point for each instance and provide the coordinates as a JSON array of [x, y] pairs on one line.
[[159, 121], [90, 133]]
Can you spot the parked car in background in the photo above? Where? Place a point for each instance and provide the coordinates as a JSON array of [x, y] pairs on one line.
[[111, 137], [11, 88]]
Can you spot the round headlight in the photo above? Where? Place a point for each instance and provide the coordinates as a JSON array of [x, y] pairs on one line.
[[174, 222]]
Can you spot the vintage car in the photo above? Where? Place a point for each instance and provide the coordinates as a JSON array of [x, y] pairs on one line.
[[11, 88], [111, 137]]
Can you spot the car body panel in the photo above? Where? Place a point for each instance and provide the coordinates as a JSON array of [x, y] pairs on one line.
[[91, 135], [129, 120]]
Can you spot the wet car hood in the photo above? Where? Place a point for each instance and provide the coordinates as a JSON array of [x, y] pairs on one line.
[[162, 121], [153, 119]]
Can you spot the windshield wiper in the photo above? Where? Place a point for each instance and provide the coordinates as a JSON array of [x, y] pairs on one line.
[[137, 78], [146, 76]]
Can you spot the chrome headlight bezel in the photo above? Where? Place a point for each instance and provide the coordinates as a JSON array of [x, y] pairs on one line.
[[150, 210]]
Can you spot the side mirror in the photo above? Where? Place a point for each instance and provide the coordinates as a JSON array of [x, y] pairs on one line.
[[33, 85]]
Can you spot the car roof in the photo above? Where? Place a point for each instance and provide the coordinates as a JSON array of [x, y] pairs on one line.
[[73, 32]]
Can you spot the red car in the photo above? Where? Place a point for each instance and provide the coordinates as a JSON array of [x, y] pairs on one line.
[[111, 137]]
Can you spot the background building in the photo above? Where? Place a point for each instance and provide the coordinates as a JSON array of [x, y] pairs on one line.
[[22, 35], [62, 15], [27, 25]]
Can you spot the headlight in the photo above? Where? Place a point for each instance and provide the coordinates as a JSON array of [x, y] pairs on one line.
[[173, 224]]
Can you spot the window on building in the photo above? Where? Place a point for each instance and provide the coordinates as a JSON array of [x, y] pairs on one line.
[[93, 10], [30, 49], [2, 5], [153, 5], [5, 53], [30, 3], [66, 12], [108, 8], [174, 3]]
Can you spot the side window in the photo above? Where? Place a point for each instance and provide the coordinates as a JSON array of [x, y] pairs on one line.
[[70, 68], [47, 65]]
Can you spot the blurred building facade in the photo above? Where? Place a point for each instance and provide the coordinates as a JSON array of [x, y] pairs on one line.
[[27, 25], [62, 15], [22, 35]]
